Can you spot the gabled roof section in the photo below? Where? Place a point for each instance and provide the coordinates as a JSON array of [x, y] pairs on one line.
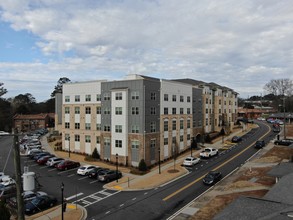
[[281, 170]]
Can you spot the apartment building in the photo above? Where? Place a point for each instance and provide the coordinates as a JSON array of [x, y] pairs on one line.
[[139, 117]]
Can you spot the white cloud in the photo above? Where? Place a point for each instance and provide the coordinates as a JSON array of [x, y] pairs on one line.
[[240, 44]]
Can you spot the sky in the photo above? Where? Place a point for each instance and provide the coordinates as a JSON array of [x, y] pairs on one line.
[[241, 44]]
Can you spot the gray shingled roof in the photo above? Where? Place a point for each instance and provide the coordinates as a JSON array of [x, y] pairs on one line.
[[282, 191], [248, 208], [281, 170]]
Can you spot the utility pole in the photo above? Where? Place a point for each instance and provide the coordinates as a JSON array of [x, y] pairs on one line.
[[20, 207], [284, 117]]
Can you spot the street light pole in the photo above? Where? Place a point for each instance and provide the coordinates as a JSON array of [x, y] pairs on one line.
[[159, 160], [284, 117], [191, 144], [62, 201], [117, 168], [69, 147]]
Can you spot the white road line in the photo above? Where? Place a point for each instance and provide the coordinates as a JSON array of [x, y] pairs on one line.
[[107, 212], [94, 181], [74, 196], [43, 167], [145, 193], [134, 199], [83, 178], [52, 169], [121, 205], [71, 175]]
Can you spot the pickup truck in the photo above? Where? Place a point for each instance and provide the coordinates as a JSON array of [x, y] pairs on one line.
[[209, 152]]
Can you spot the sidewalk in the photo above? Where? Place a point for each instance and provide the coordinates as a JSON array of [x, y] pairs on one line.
[[169, 171]]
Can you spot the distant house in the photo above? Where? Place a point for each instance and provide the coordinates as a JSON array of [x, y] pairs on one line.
[[32, 122]]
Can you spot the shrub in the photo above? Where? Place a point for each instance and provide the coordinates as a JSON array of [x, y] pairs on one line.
[[142, 165], [4, 212], [96, 154]]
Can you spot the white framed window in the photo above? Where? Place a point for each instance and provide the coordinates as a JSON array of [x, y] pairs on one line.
[[77, 138], [88, 98], [77, 98], [135, 129], [67, 98], [118, 128], [87, 126], [118, 96], [67, 110], [87, 139], [134, 95], [118, 110], [98, 97], [87, 110], [118, 143], [77, 110]]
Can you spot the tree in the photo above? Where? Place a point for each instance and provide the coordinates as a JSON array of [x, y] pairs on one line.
[[280, 87], [2, 89], [142, 165], [59, 86], [95, 154], [23, 103]]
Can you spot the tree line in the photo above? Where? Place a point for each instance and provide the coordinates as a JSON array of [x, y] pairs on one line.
[[25, 104]]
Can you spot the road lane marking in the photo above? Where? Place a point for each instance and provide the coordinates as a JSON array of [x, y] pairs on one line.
[[216, 168], [74, 196], [71, 175], [83, 178]]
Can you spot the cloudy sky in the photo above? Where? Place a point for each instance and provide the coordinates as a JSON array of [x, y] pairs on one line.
[[241, 44]]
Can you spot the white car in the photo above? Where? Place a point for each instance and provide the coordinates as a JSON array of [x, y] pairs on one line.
[[208, 152], [3, 133], [51, 162], [191, 161], [84, 170]]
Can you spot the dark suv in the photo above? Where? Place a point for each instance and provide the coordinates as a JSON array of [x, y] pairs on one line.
[[109, 175], [259, 144]]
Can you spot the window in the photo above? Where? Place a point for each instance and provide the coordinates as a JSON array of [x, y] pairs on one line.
[[207, 101], [166, 124], [207, 121], [107, 111], [181, 138], [153, 110], [118, 128], [118, 96], [174, 98], [87, 139], [118, 143], [87, 98], [77, 126], [181, 98], [153, 96], [77, 98], [98, 139], [166, 141], [153, 126], [188, 137], [98, 98], [181, 111], [98, 126], [67, 125], [88, 110], [77, 110], [135, 129], [207, 111], [165, 111], [188, 123], [118, 110], [134, 95], [107, 128], [181, 124], [134, 110], [87, 126], [166, 97], [174, 125], [67, 137], [67, 110], [107, 97], [76, 138], [174, 111], [98, 110], [220, 102], [220, 111], [188, 98], [67, 98]]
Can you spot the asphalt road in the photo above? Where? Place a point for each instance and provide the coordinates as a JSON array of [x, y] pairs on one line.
[[159, 203]]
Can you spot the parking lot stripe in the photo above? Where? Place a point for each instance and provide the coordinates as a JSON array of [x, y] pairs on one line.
[[74, 196]]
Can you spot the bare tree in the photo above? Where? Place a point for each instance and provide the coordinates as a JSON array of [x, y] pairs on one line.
[[2, 89], [279, 87]]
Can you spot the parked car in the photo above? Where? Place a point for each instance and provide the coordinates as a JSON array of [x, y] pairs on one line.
[[84, 170], [34, 151], [3, 133], [236, 139], [212, 177], [109, 175], [39, 203], [7, 191], [191, 161], [259, 144], [27, 196], [38, 156], [94, 173], [208, 152], [284, 142], [67, 164], [53, 161], [43, 160]]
